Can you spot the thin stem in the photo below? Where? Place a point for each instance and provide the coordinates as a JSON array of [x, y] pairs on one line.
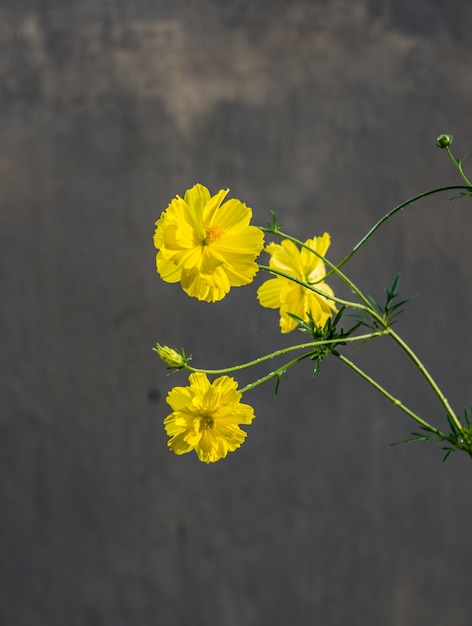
[[272, 355], [458, 166], [278, 372], [388, 395], [395, 210], [427, 376]]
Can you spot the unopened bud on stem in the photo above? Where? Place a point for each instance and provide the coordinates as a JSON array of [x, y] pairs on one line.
[[171, 357], [443, 141]]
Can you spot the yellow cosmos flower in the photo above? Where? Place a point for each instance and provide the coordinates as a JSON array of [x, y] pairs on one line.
[[205, 417], [290, 297], [207, 245]]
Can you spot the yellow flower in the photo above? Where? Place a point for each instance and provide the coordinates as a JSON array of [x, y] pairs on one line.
[[290, 297], [206, 245], [205, 417]]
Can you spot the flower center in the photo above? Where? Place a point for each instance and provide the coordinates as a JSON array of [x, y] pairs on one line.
[[212, 234], [207, 422]]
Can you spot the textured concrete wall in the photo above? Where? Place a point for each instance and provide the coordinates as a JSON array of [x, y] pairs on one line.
[[325, 112]]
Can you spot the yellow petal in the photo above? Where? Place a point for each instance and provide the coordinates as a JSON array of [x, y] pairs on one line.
[[194, 434], [241, 273], [234, 414], [167, 270], [199, 383], [179, 397], [179, 212], [231, 433], [241, 243], [233, 214], [313, 265], [200, 287], [210, 448], [271, 293], [294, 303], [223, 392], [213, 207], [178, 445], [319, 244], [286, 258], [211, 258], [196, 199], [180, 236]]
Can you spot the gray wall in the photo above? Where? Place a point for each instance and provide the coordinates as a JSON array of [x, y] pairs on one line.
[[327, 113]]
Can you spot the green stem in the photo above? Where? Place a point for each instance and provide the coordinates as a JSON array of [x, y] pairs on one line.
[[272, 355], [395, 210], [458, 166], [388, 395], [278, 372], [427, 376]]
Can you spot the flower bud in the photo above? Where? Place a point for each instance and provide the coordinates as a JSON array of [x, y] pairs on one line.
[[443, 141], [171, 357]]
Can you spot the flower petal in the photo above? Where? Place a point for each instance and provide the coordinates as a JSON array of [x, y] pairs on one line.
[[271, 294], [286, 258], [233, 214], [196, 200], [178, 445], [208, 288], [168, 271], [213, 206], [179, 397], [199, 383]]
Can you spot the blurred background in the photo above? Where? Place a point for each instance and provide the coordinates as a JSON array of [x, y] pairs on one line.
[[325, 112]]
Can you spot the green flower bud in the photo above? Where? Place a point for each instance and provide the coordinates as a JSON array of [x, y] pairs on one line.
[[443, 141], [171, 357]]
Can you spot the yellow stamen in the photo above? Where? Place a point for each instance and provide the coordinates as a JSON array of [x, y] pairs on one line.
[[212, 234]]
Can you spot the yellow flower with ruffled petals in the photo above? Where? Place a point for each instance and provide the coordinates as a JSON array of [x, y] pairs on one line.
[[206, 244], [205, 417], [291, 297]]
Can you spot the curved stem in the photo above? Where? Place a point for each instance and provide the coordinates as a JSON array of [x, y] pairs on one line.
[[276, 353], [401, 206], [278, 372], [389, 396], [427, 376]]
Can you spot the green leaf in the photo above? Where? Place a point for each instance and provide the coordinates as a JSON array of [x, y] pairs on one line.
[[392, 292], [274, 226], [448, 454]]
